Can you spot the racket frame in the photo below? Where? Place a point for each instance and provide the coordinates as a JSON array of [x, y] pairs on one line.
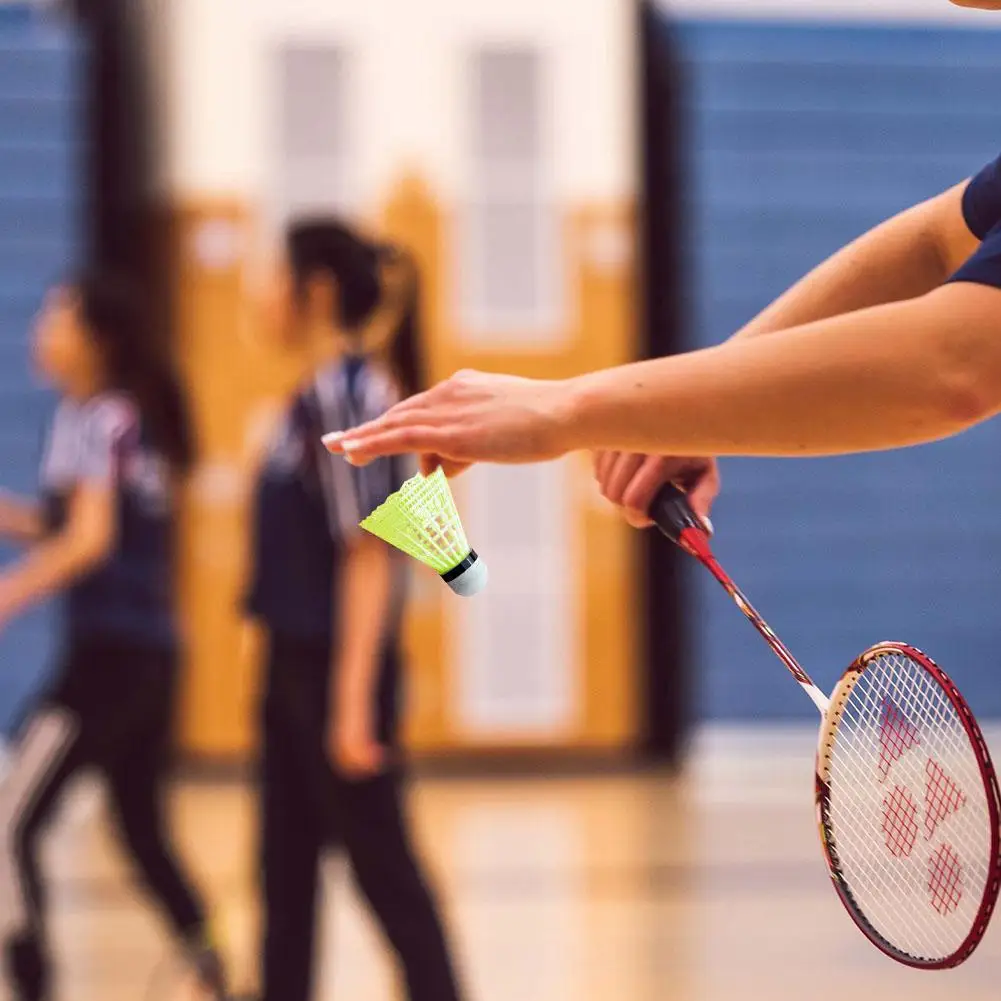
[[825, 745]]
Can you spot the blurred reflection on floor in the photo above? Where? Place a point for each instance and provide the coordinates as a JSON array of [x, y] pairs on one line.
[[616, 888]]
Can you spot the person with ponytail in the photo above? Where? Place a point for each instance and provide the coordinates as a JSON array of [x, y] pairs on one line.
[[330, 599], [101, 536]]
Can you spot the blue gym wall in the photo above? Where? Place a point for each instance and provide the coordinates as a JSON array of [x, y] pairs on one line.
[[801, 137], [40, 204]]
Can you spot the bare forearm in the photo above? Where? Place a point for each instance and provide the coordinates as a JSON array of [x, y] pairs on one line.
[[903, 258], [20, 519], [881, 378], [364, 596], [47, 568]]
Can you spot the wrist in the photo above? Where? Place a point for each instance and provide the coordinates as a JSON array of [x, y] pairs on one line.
[[351, 690], [573, 407]]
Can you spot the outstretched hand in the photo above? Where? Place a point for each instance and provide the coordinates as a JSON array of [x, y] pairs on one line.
[[471, 417]]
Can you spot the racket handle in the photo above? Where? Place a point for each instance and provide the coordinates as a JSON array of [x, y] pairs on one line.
[[672, 514]]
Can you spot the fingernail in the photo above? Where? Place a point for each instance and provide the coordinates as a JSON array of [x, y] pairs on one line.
[[332, 438], [708, 524]]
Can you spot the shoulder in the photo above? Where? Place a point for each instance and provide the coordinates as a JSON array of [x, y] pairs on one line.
[[367, 385], [110, 416], [379, 391]]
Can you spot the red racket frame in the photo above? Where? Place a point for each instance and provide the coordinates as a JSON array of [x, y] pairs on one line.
[[674, 517], [823, 797]]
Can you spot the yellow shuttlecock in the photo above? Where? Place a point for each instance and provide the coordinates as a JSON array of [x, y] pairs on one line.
[[420, 519]]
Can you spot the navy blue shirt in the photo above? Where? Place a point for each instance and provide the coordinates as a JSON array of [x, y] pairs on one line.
[[982, 211], [308, 503], [130, 595]]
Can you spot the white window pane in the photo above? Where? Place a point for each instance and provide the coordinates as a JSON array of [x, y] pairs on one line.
[[314, 173], [315, 186], [509, 254], [507, 93], [516, 652], [510, 261], [312, 94]]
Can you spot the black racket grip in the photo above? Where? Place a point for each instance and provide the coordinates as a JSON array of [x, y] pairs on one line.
[[672, 514]]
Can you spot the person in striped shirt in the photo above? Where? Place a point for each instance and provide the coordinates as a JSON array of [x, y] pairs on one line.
[[330, 599], [101, 537]]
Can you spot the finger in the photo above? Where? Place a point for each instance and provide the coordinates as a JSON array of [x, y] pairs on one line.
[[387, 421], [414, 439], [606, 460], [401, 441], [642, 489], [636, 520], [403, 414], [414, 402], [617, 482], [363, 761], [332, 442], [596, 458], [349, 762], [702, 495], [429, 463]]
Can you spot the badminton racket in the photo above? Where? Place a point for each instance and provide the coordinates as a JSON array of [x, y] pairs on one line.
[[907, 798]]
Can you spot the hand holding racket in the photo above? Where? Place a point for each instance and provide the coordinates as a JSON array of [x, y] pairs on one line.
[[907, 799]]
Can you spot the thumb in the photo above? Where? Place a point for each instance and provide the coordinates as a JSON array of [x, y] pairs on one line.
[[701, 500], [429, 463]]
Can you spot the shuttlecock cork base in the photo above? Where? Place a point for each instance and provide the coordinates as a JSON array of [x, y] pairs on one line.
[[421, 520], [469, 577]]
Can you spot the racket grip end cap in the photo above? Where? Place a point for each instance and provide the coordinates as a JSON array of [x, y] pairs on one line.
[[672, 514]]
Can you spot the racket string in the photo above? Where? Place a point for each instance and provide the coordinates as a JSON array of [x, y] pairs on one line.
[[908, 812]]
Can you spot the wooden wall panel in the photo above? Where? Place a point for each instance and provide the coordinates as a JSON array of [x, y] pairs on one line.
[[231, 380]]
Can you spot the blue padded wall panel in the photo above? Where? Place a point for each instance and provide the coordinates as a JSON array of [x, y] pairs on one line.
[[40, 207], [801, 137], [37, 121], [36, 169], [34, 64], [16, 15]]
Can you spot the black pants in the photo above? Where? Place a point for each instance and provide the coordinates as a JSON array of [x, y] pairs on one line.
[[308, 806], [110, 707]]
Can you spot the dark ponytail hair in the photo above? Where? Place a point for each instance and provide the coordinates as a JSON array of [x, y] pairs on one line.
[[327, 246], [136, 364], [406, 355]]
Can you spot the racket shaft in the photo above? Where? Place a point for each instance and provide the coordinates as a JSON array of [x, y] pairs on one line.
[[817, 697], [673, 515]]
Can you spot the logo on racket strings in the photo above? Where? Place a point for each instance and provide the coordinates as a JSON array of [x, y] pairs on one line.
[[903, 825]]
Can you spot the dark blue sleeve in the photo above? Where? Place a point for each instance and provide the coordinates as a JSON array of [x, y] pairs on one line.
[[982, 200], [982, 212], [984, 266]]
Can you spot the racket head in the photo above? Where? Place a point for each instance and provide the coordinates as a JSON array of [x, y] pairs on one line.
[[909, 809]]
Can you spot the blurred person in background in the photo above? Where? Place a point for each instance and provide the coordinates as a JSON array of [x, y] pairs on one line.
[[330, 598], [102, 536], [893, 341]]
